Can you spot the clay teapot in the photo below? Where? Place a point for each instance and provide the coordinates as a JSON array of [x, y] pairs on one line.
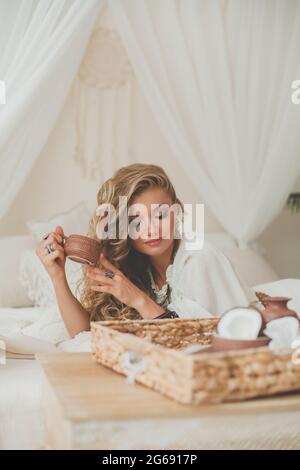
[[274, 307]]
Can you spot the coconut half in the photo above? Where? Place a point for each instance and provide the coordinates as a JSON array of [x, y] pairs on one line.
[[240, 323], [282, 331]]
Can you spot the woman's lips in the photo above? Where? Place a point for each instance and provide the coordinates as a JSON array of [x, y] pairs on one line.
[[153, 242]]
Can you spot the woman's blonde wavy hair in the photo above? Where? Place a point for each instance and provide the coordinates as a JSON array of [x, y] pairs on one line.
[[128, 181]]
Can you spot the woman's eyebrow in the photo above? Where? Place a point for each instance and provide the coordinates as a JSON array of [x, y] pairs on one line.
[[131, 217], [157, 206], [161, 204]]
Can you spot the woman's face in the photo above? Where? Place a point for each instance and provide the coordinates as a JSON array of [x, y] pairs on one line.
[[153, 225]]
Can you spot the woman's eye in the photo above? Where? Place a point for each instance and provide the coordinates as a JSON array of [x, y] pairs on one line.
[[136, 224], [163, 215]]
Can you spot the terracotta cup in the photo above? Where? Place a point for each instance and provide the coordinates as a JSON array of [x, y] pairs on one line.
[[82, 249]]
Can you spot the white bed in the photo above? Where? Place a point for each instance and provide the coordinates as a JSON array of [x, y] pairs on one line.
[[20, 393], [24, 283], [20, 379]]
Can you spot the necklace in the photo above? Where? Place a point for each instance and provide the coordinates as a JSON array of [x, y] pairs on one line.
[[162, 293]]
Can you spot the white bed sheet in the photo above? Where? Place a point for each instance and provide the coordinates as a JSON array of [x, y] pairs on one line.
[[20, 382], [20, 411], [13, 319], [20, 379]]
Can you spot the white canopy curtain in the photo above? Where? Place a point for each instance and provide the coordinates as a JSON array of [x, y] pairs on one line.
[[40, 54], [102, 97], [217, 75]]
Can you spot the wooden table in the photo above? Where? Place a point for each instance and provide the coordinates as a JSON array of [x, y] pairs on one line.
[[88, 406]]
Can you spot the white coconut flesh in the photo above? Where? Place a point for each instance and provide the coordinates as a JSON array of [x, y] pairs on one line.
[[240, 323], [283, 331]]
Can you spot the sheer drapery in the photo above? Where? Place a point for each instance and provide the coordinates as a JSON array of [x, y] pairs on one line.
[[102, 97], [40, 53], [217, 76]]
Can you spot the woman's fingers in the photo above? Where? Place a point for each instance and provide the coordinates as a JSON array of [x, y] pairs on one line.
[[107, 264], [60, 230], [58, 237], [55, 247], [102, 288], [54, 262], [53, 237], [98, 275], [53, 256]]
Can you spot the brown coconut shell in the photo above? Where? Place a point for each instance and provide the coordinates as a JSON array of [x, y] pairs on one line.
[[253, 306], [227, 344]]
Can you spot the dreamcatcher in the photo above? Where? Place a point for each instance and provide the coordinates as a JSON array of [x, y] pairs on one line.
[[102, 93]]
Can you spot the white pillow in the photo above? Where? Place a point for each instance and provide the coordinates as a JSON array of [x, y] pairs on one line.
[[221, 240], [250, 266], [35, 279], [12, 292], [75, 220], [32, 273]]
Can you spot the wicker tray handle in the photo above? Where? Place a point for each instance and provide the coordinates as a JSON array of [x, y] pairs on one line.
[[134, 363]]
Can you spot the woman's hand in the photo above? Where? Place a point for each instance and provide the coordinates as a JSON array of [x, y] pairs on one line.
[[54, 262], [122, 288]]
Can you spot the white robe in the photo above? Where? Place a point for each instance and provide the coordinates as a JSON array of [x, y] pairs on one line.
[[203, 282]]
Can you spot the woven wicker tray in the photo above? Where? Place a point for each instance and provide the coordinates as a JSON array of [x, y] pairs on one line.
[[150, 352]]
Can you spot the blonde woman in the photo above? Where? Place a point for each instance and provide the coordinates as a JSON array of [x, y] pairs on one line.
[[147, 275]]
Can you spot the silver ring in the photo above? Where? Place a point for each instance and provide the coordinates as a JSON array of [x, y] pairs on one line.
[[108, 273], [49, 248]]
